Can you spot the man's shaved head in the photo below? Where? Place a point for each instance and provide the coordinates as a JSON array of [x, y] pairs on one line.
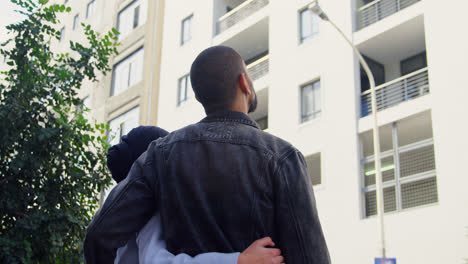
[[214, 76]]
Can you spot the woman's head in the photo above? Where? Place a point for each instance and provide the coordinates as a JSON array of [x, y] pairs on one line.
[[121, 156]]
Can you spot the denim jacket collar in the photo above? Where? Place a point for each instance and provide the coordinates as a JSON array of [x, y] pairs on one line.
[[229, 116]]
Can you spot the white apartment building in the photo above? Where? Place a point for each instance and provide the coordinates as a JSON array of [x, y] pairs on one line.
[[127, 96], [312, 93]]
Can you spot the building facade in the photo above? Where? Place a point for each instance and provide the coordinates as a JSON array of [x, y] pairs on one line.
[[313, 94], [128, 95]]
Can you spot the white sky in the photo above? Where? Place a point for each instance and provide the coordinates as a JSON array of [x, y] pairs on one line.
[[7, 16]]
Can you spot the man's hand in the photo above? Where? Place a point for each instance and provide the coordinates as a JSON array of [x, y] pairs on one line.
[[257, 253]]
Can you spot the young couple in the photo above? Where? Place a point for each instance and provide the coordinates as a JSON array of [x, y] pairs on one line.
[[148, 246], [217, 186]]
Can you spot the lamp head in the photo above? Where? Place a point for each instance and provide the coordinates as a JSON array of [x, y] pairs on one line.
[[316, 9]]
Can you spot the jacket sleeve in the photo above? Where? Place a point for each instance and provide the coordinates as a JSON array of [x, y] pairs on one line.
[[300, 235], [126, 210]]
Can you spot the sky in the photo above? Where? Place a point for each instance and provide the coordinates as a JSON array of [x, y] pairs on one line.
[[7, 16]]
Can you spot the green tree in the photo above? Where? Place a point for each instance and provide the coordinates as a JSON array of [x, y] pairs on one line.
[[52, 160]]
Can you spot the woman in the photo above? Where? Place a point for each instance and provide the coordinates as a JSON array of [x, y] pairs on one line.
[[148, 246]]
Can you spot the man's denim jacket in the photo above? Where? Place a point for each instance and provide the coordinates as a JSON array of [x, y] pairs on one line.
[[219, 185]]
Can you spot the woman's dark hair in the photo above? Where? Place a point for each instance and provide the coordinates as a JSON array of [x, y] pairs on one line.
[[120, 157]]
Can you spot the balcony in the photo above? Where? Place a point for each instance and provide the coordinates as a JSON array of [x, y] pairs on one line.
[[252, 44], [235, 15], [258, 68], [377, 10], [405, 88]]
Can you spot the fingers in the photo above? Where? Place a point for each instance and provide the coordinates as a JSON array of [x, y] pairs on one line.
[[273, 251], [264, 242], [278, 260]]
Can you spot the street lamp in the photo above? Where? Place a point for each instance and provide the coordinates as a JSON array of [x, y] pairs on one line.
[[315, 8]]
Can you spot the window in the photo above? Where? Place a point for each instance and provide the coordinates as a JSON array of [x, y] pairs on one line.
[[62, 33], [127, 72], [122, 124], [314, 168], [75, 21], [90, 8], [133, 16], [413, 63], [310, 101], [308, 25], [186, 33], [184, 91], [407, 165]]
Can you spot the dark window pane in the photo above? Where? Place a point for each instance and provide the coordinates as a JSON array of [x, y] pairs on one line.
[[419, 193], [417, 161], [136, 16]]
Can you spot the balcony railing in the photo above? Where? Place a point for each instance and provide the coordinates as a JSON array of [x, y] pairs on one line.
[[379, 9], [239, 13], [258, 68], [405, 88]]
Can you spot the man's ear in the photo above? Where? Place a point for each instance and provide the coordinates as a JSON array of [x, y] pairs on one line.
[[244, 84]]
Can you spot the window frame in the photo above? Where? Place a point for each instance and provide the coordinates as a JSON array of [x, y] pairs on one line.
[[398, 181], [186, 89], [113, 83], [314, 18], [62, 33], [90, 8], [316, 113], [189, 19], [135, 20], [76, 21]]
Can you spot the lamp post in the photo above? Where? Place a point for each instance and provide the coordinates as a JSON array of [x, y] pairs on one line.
[[316, 9]]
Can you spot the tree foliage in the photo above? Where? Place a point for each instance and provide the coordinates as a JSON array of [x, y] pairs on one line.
[[52, 160]]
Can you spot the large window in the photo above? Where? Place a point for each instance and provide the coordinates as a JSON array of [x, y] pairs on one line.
[[127, 72], [310, 101], [133, 16], [308, 25], [314, 168], [184, 91], [90, 8], [407, 165], [186, 32], [118, 127], [122, 124]]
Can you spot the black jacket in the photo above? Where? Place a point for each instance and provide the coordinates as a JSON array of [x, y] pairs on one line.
[[219, 184]]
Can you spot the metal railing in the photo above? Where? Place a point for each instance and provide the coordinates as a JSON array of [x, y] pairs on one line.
[[405, 88], [237, 14], [258, 68], [379, 9]]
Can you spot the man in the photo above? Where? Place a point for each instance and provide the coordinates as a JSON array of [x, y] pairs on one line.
[[149, 246], [220, 183]]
